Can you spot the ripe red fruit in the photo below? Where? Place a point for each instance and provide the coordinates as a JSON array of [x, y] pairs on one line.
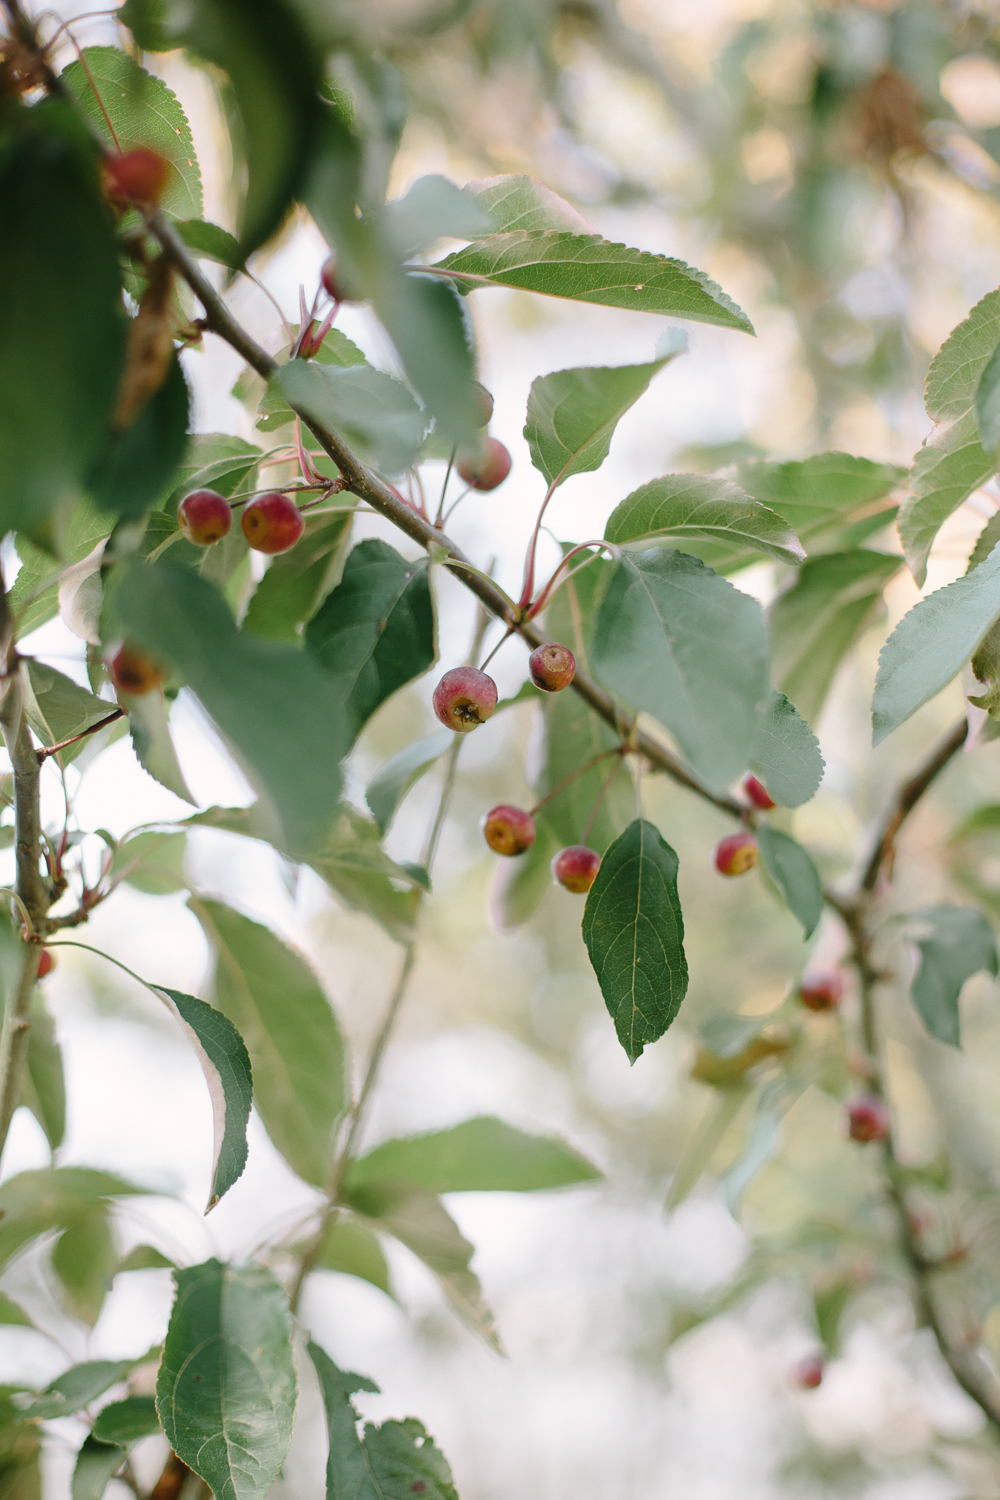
[[868, 1117], [552, 667], [204, 517], [137, 176], [808, 1373], [464, 698], [576, 868], [272, 523], [508, 830], [134, 672], [758, 794], [46, 963], [485, 467], [822, 991], [736, 853]]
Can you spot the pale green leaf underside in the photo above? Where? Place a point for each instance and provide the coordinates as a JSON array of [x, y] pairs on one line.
[[819, 496], [955, 942], [794, 873], [705, 509], [374, 412], [480, 1155], [392, 781], [785, 753]]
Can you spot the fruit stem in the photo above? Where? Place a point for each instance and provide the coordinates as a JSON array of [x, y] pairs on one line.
[[90, 79], [439, 518], [605, 788], [529, 559], [496, 648], [547, 593]]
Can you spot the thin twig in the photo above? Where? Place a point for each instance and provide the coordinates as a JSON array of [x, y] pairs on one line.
[[905, 800], [47, 750]]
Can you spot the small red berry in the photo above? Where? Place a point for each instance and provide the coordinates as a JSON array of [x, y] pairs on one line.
[[272, 523], [758, 794], [822, 991], [46, 963], [552, 667], [204, 517], [332, 284], [736, 853], [576, 868], [868, 1117], [508, 830], [137, 176], [486, 467], [808, 1373], [485, 405], [464, 698], [134, 672]]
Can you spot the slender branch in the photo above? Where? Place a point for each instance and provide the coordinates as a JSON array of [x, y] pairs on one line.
[[47, 750], [905, 800]]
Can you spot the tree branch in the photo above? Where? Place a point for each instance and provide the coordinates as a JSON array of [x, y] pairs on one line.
[[905, 800]]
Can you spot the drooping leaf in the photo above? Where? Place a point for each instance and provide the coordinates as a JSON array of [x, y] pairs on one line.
[[572, 414], [794, 873], [354, 1249], [138, 464], [222, 1054], [77, 1387], [357, 868], [297, 582], [34, 1203], [815, 623], [149, 726], [96, 1462], [634, 932], [44, 1087], [84, 1259], [226, 1388], [142, 111], [152, 863], [297, 1053], [427, 323], [785, 753], [280, 713], [392, 781], [955, 942], [126, 1421], [726, 527], [829, 500], [586, 268], [673, 638], [57, 708], [931, 644], [372, 411], [211, 243], [57, 247], [518, 202], [391, 1462], [480, 1155], [375, 632]]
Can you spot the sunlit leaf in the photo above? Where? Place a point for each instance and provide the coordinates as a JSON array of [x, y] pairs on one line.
[[826, 498], [152, 863], [84, 1259], [211, 243], [77, 1387], [58, 708], [33, 1203], [695, 508], [353, 1249], [480, 1155], [518, 202]]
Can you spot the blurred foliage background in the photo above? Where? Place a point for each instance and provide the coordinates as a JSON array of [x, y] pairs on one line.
[[836, 168]]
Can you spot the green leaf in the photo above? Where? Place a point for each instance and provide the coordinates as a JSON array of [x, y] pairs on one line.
[[480, 1155], [34, 594], [815, 622], [149, 726], [222, 1054], [932, 643], [138, 464], [988, 404], [126, 1421], [226, 1387], [519, 202], [955, 942], [819, 497], [57, 247], [785, 753], [634, 932], [433, 208], [84, 1259], [57, 708], [419, 1221], [427, 323], [214, 461], [279, 712], [350, 1247], [586, 268], [985, 542], [372, 411], [375, 632], [391, 1462], [698, 508], [392, 781], [336, 349], [11, 1315], [297, 582], [43, 1090], [77, 1387], [212, 243], [297, 1053], [673, 638], [144, 1258], [33, 1203], [152, 863], [794, 874], [142, 111], [520, 884], [96, 1462], [572, 414], [357, 868]]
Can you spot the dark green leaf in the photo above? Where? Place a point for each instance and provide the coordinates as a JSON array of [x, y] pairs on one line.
[[820, 496], [149, 726], [392, 781], [53, 1198], [372, 411], [794, 873], [297, 582], [375, 632], [152, 863], [142, 111], [226, 1387], [391, 1462], [77, 1387], [279, 712], [57, 247], [96, 1462], [349, 1247], [272, 996], [211, 243], [814, 624], [732, 528], [57, 708], [84, 1259], [354, 864], [480, 1155], [931, 644], [222, 1054], [572, 414], [785, 753], [138, 464], [44, 1088], [955, 942], [586, 268], [127, 1421], [673, 638], [634, 932]]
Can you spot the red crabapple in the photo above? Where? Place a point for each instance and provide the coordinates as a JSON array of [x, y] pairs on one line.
[[822, 991], [485, 404], [758, 794], [508, 830], [736, 853], [46, 963], [134, 672], [868, 1117], [808, 1373], [137, 176], [552, 667], [204, 517], [486, 467], [576, 868], [464, 698], [272, 523]]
